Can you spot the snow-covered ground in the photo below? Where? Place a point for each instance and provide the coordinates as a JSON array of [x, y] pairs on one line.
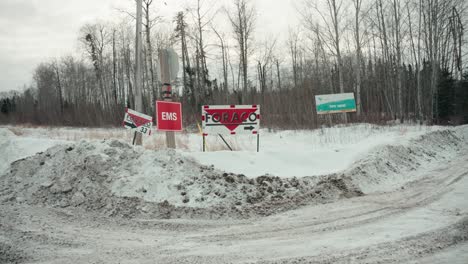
[[282, 153], [14, 148], [356, 194], [307, 153]]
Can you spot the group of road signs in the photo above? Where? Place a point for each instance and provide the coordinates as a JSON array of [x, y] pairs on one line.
[[168, 114], [225, 119], [216, 119]]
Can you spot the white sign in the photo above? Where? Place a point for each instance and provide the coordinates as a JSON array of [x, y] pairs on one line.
[[140, 122], [230, 119]]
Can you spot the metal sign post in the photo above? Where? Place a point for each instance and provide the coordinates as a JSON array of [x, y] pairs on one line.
[[258, 142], [204, 142], [225, 142]]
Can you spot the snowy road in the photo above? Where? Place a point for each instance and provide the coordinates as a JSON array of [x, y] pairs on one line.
[[424, 222]]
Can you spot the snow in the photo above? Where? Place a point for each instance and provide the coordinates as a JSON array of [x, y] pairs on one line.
[[156, 176], [13, 147], [388, 220], [306, 153], [414, 209], [282, 153], [369, 156]]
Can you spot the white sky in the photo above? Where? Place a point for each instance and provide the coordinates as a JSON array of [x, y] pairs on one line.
[[33, 31]]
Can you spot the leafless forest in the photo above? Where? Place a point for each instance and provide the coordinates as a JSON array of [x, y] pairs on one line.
[[403, 59]]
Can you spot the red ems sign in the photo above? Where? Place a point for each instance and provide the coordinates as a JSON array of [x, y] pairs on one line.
[[169, 116], [230, 119]]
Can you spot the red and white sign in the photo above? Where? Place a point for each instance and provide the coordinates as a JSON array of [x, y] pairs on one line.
[[136, 120], [169, 116], [230, 119]]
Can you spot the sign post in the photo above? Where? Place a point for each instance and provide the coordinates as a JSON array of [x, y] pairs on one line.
[[169, 64], [258, 142], [231, 119]]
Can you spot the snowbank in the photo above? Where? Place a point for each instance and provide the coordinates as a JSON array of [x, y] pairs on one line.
[[390, 167], [115, 178]]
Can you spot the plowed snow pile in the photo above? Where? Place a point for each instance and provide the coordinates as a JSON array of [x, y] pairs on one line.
[[117, 179], [390, 167], [114, 178]]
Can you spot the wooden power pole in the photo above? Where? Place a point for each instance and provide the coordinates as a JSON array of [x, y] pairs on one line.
[[138, 68]]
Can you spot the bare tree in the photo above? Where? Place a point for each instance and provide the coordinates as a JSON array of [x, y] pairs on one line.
[[416, 53], [357, 37], [224, 56], [294, 50], [397, 27], [264, 59], [332, 31], [148, 23], [243, 22], [96, 38], [436, 17]]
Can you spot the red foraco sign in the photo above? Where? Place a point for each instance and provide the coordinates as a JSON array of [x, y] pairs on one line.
[[230, 119], [169, 116]]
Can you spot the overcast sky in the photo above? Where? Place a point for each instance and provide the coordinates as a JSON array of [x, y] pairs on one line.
[[32, 31]]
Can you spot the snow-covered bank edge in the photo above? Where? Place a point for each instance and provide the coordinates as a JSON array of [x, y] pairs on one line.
[[390, 167]]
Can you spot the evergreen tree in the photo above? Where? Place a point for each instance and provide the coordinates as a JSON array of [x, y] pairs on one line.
[[445, 97]]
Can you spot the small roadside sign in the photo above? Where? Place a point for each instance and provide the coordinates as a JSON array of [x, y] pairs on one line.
[[335, 103], [139, 122], [169, 116], [230, 119]]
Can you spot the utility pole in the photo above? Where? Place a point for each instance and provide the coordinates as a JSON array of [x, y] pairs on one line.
[[169, 66], [138, 62]]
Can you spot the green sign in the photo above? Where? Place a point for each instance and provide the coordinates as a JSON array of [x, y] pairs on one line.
[[335, 103]]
